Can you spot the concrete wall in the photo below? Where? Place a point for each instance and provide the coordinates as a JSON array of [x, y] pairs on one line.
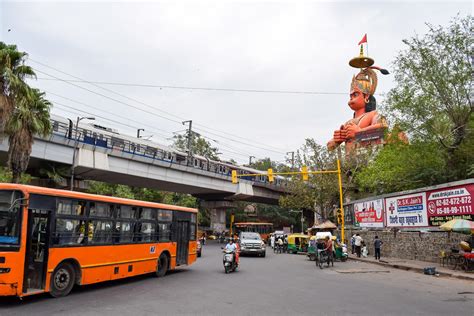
[[424, 246]]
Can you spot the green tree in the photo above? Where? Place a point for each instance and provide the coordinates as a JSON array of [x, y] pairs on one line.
[[400, 166], [321, 192], [13, 73], [433, 96], [30, 117], [200, 146]]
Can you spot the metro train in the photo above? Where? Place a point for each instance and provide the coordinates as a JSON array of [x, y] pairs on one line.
[[106, 137]]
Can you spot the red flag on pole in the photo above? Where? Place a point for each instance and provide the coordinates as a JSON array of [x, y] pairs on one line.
[[363, 40]]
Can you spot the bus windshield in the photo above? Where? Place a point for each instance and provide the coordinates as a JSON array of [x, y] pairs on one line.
[[9, 217]]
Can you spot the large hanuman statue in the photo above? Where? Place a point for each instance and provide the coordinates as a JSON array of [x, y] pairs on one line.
[[367, 125]]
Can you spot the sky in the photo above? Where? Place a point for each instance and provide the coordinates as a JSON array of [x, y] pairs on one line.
[[292, 55]]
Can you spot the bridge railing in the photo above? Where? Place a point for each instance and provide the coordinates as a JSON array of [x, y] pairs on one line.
[[122, 145]]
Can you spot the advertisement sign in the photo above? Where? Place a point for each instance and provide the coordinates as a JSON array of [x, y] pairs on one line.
[[369, 213], [406, 210], [450, 203]]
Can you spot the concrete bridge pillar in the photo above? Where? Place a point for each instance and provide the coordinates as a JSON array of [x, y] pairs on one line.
[[218, 213]]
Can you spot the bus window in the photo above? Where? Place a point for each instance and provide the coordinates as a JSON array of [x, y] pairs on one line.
[[65, 207], [102, 232], [125, 211], [148, 232], [10, 217], [100, 210], [165, 216], [164, 232], [69, 231], [192, 228], [148, 213], [124, 231]]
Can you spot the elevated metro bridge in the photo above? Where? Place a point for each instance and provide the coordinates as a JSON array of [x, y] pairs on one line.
[[114, 158]]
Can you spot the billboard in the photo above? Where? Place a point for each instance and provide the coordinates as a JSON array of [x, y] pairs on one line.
[[369, 213], [406, 210], [449, 203]]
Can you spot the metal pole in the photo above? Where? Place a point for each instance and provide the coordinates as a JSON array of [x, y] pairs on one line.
[[340, 199], [190, 139], [250, 160], [74, 153], [76, 142], [138, 132], [302, 221]]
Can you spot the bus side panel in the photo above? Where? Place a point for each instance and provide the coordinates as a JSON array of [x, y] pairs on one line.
[[103, 263], [192, 251], [11, 283]]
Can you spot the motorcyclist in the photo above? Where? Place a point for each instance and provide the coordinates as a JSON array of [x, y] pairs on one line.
[[231, 246]]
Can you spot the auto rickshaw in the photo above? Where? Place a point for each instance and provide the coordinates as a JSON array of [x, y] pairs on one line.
[[297, 243]]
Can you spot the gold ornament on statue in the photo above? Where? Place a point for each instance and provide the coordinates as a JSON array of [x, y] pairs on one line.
[[361, 61]]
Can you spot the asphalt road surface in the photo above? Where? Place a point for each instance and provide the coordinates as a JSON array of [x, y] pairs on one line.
[[279, 284]]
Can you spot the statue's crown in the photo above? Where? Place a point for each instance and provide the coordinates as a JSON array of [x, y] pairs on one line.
[[365, 81]]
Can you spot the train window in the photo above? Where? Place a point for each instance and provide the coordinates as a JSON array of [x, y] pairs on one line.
[[150, 151]]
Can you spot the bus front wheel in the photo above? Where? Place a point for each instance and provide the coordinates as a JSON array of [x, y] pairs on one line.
[[62, 280], [162, 267]]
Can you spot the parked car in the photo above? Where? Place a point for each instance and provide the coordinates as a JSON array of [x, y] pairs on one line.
[[199, 248], [251, 243]]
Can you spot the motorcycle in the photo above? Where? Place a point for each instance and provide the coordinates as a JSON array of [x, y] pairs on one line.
[[230, 265]]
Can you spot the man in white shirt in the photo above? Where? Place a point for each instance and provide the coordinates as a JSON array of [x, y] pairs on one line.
[[358, 243], [230, 245]]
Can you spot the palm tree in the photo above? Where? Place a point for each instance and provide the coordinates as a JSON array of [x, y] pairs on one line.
[[30, 117], [13, 73]]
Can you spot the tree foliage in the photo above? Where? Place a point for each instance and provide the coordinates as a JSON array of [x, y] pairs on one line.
[[321, 193], [433, 96], [200, 146], [24, 111]]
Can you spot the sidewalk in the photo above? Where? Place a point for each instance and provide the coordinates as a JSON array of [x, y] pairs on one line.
[[415, 265]]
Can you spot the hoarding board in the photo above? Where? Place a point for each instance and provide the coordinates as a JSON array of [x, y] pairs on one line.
[[450, 203], [406, 210], [369, 213]]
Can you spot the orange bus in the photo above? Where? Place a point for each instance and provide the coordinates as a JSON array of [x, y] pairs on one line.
[[52, 239], [264, 229]]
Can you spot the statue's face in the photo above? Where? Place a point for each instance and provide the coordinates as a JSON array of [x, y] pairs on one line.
[[357, 100]]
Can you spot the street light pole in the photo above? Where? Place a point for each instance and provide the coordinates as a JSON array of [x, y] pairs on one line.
[[190, 140], [250, 160], [76, 142]]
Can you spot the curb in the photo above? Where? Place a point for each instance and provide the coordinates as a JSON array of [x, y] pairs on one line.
[[411, 268]]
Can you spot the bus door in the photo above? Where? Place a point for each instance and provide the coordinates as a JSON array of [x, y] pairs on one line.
[[37, 250], [182, 238]]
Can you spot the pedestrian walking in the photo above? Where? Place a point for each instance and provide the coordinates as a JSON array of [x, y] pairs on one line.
[[377, 245], [353, 243], [272, 241], [358, 244]]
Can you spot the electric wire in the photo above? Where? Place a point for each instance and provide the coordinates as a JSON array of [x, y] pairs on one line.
[[100, 94], [203, 127]]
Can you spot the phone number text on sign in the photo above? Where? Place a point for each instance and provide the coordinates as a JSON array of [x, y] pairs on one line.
[[450, 203]]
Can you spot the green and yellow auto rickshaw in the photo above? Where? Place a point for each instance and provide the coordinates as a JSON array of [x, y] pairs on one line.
[[298, 243]]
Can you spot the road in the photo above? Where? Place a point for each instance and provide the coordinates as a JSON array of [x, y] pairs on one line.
[[276, 285]]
